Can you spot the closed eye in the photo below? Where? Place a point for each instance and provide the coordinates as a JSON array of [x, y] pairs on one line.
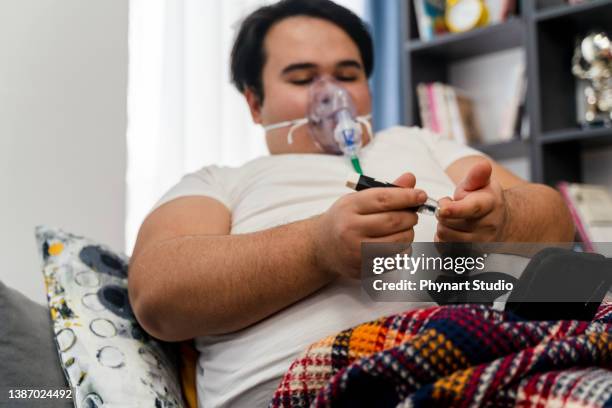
[[347, 78], [300, 82]]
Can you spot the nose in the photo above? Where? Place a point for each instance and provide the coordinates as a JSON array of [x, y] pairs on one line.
[[325, 77]]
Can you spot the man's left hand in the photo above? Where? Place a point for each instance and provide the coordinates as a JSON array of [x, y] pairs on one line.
[[477, 212]]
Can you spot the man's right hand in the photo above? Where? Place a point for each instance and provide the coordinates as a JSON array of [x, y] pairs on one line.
[[373, 215]]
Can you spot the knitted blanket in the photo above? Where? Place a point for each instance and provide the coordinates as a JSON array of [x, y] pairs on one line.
[[459, 356]]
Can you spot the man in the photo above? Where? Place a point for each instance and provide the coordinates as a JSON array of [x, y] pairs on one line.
[[259, 261]]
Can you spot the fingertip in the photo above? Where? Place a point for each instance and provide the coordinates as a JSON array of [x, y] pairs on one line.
[[444, 209], [406, 180], [445, 212], [478, 176], [487, 165], [421, 196], [482, 165]]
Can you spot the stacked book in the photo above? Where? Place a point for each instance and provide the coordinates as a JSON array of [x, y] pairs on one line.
[[591, 209], [448, 111], [453, 113]]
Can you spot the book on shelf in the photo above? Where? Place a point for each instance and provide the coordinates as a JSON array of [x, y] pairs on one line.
[[500, 10], [514, 114], [524, 125], [458, 108], [430, 18], [448, 111], [591, 209], [431, 15], [456, 114]]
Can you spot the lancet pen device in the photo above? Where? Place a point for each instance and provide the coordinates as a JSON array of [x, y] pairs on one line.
[[360, 182]]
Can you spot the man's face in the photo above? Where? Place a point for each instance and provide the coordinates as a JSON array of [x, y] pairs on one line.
[[298, 50]]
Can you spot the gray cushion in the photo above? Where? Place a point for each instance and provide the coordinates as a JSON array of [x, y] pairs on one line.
[[28, 354]]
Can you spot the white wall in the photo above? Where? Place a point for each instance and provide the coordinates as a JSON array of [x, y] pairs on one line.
[[63, 74]]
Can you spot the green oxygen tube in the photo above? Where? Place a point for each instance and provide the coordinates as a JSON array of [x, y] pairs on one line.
[[356, 164]]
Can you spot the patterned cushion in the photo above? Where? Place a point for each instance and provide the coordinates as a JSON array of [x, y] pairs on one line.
[[107, 357]]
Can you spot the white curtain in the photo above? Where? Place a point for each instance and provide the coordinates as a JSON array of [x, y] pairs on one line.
[[183, 113]]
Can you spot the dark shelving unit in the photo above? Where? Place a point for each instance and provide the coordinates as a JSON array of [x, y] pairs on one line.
[[547, 30], [593, 137], [560, 9], [472, 43], [505, 150]]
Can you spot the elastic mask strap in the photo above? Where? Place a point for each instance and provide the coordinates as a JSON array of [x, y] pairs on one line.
[[296, 124], [293, 123], [285, 124]]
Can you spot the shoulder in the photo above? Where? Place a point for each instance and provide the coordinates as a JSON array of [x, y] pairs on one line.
[[403, 138], [228, 175], [210, 181], [411, 133], [404, 135], [208, 173], [222, 183], [443, 149]]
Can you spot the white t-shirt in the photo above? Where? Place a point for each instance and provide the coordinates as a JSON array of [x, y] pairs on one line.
[[245, 367]]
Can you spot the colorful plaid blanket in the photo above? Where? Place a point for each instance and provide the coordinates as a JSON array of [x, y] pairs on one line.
[[459, 356]]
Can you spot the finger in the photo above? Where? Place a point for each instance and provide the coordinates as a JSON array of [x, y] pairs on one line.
[[475, 205], [478, 177], [406, 180], [387, 223], [442, 204], [402, 237], [445, 234], [444, 201], [376, 200]]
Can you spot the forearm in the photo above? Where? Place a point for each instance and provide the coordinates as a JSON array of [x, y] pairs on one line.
[[536, 213], [201, 285]]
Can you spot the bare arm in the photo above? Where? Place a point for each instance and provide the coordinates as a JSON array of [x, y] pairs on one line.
[[491, 196], [537, 213], [189, 278]]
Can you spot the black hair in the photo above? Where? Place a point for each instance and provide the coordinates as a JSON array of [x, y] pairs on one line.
[[248, 54]]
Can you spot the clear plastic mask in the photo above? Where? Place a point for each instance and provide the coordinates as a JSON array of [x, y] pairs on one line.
[[331, 117]]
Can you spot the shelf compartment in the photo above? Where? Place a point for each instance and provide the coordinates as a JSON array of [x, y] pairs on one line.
[[556, 38], [480, 41]]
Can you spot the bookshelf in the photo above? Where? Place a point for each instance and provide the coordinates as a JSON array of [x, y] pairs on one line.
[[472, 43], [587, 137], [547, 31], [505, 150]]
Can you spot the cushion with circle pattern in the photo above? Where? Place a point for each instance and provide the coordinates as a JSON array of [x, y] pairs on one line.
[[108, 359]]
